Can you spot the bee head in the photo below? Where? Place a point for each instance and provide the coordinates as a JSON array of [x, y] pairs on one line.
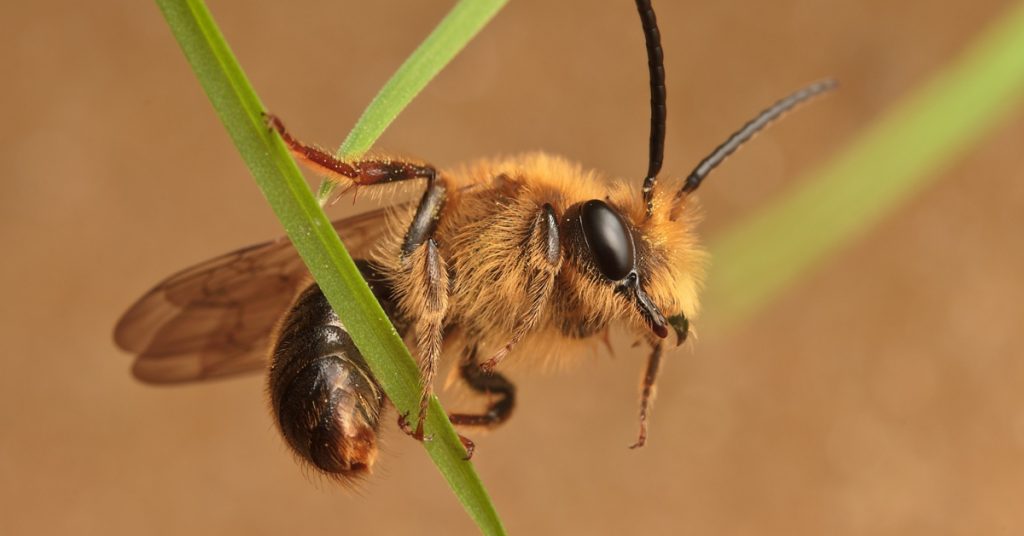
[[605, 245], [613, 249]]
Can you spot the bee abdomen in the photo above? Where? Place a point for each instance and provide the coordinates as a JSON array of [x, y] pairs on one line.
[[324, 397]]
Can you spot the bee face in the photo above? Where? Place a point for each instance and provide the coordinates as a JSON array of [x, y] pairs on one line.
[[604, 245]]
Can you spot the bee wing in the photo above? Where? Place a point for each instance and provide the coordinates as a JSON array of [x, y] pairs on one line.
[[215, 319]]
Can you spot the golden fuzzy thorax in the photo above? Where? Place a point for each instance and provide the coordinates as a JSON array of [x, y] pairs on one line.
[[489, 243]]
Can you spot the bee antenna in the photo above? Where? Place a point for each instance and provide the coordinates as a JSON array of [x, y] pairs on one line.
[[656, 66], [748, 131]]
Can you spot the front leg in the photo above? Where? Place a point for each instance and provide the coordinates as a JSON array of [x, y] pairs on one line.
[[543, 255], [653, 363]]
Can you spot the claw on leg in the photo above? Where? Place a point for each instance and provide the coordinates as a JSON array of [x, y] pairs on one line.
[[488, 366], [467, 444], [417, 434], [641, 440]]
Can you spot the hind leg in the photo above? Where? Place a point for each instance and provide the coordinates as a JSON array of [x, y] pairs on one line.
[[425, 299]]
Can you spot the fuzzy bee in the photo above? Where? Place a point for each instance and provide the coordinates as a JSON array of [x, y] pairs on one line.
[[499, 260]]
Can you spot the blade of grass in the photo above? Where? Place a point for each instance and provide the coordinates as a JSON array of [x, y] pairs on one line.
[[284, 187], [893, 159], [447, 39]]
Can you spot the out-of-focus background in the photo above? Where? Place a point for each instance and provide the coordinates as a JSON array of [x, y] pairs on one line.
[[880, 395]]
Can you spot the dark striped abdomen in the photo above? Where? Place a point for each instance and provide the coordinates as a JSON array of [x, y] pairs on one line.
[[324, 398]]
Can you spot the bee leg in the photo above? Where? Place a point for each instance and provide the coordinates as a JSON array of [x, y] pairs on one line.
[[469, 445], [417, 434], [653, 362], [426, 300], [543, 256], [426, 297], [351, 174], [487, 383]]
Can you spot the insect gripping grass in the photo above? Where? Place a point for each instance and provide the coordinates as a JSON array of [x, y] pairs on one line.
[[500, 260]]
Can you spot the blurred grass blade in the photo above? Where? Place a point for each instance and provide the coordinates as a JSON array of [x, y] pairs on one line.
[[448, 38], [889, 162], [307, 226]]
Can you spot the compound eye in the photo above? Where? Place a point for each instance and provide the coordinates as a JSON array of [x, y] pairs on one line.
[[608, 239]]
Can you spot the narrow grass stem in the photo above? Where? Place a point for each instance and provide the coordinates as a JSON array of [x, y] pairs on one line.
[[239, 108]]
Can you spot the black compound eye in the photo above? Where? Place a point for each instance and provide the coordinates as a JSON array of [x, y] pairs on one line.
[[608, 239]]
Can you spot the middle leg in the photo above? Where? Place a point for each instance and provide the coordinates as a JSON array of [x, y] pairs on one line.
[[488, 383]]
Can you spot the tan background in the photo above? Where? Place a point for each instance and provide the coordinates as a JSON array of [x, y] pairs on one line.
[[879, 396]]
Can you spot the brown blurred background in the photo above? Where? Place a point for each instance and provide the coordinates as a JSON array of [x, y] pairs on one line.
[[879, 396]]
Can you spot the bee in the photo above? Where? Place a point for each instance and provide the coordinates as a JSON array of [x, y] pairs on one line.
[[500, 260]]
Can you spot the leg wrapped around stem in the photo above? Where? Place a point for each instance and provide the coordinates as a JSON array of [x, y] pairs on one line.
[[355, 173], [424, 295], [428, 289]]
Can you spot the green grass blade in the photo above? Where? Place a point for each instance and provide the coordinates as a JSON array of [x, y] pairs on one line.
[[447, 39], [313, 236], [893, 159]]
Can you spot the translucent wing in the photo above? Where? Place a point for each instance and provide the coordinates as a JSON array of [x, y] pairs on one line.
[[216, 318]]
